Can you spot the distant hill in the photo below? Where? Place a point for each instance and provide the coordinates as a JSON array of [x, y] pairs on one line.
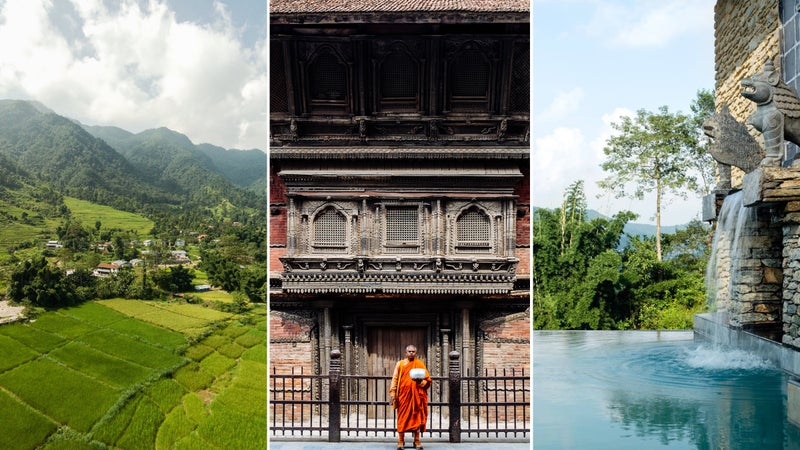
[[632, 228], [56, 151], [245, 168], [159, 152], [155, 170]]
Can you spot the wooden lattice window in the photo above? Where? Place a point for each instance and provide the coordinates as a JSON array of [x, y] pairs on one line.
[[278, 95], [330, 231], [520, 79], [402, 229], [473, 232], [470, 75], [328, 78], [399, 82], [327, 85]]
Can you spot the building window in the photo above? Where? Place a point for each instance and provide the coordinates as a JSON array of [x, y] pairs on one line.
[[327, 84], [402, 229], [469, 82], [398, 82], [330, 232], [473, 232], [520, 79], [328, 78], [279, 99]]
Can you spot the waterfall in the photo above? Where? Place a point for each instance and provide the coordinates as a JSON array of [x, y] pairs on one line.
[[729, 249]]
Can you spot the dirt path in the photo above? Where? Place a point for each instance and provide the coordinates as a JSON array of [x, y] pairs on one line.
[[9, 313]]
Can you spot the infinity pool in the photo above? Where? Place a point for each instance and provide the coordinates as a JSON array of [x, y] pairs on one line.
[[644, 390]]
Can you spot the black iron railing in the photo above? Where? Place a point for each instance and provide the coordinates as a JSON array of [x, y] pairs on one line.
[[492, 404]]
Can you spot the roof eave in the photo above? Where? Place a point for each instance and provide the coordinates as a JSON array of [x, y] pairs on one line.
[[411, 17]]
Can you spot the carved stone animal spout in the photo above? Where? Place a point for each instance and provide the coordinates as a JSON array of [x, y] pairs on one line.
[[777, 114], [731, 145]]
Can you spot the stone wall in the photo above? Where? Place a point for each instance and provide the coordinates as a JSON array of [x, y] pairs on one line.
[[756, 284], [791, 281], [790, 18], [746, 34]]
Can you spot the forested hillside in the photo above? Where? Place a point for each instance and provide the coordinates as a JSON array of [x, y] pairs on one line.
[[584, 278], [55, 150], [176, 189]]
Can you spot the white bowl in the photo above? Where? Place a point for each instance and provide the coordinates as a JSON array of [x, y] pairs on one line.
[[417, 374]]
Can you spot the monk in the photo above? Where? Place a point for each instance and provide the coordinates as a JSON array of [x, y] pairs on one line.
[[410, 397]]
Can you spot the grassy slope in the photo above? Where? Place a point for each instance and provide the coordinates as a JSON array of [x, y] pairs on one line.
[[94, 377], [109, 218]]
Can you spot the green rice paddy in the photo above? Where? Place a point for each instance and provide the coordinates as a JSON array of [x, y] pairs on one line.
[[134, 375], [109, 218]]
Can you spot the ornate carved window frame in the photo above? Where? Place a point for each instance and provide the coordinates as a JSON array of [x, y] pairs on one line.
[[319, 106], [412, 243], [473, 246], [466, 103], [320, 247], [385, 104]]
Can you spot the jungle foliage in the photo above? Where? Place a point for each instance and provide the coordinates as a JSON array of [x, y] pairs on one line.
[[584, 279]]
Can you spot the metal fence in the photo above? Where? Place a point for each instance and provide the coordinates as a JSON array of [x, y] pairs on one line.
[[329, 406]]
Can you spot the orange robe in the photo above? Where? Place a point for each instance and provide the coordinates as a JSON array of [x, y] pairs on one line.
[[411, 397]]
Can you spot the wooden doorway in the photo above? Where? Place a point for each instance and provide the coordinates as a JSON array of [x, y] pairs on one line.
[[385, 346]]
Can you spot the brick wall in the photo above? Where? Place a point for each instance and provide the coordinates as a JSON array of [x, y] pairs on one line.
[[507, 342], [277, 188], [524, 255], [507, 346], [290, 343]]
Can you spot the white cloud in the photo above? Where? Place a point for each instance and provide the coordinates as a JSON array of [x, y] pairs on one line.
[[563, 105], [559, 159], [138, 67], [646, 23]]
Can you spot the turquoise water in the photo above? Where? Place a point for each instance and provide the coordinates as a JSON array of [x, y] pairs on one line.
[[650, 390]]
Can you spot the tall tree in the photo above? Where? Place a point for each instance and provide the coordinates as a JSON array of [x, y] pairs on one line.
[[652, 152], [703, 107]]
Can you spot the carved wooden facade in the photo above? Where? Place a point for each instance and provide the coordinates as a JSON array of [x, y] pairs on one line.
[[399, 155]]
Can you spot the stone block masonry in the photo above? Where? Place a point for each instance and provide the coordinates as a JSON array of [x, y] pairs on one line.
[[739, 54], [791, 284], [756, 285]]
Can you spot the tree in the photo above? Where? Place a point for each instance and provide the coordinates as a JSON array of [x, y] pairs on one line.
[[174, 279], [39, 283], [703, 107], [653, 152]]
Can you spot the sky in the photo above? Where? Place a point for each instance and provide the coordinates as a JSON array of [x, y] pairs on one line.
[[195, 66], [598, 60]]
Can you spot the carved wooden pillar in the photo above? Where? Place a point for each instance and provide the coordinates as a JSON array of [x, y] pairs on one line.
[[511, 228], [363, 231], [445, 352], [291, 236], [348, 349], [467, 342], [434, 101], [326, 337], [499, 249], [437, 227]]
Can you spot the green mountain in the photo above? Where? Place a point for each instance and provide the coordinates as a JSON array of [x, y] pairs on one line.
[[162, 152], [245, 168], [56, 151], [157, 172]]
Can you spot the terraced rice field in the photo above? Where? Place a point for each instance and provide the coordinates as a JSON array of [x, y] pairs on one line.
[[134, 375]]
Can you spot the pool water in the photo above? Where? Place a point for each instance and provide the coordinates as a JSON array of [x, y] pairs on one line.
[[645, 390]]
